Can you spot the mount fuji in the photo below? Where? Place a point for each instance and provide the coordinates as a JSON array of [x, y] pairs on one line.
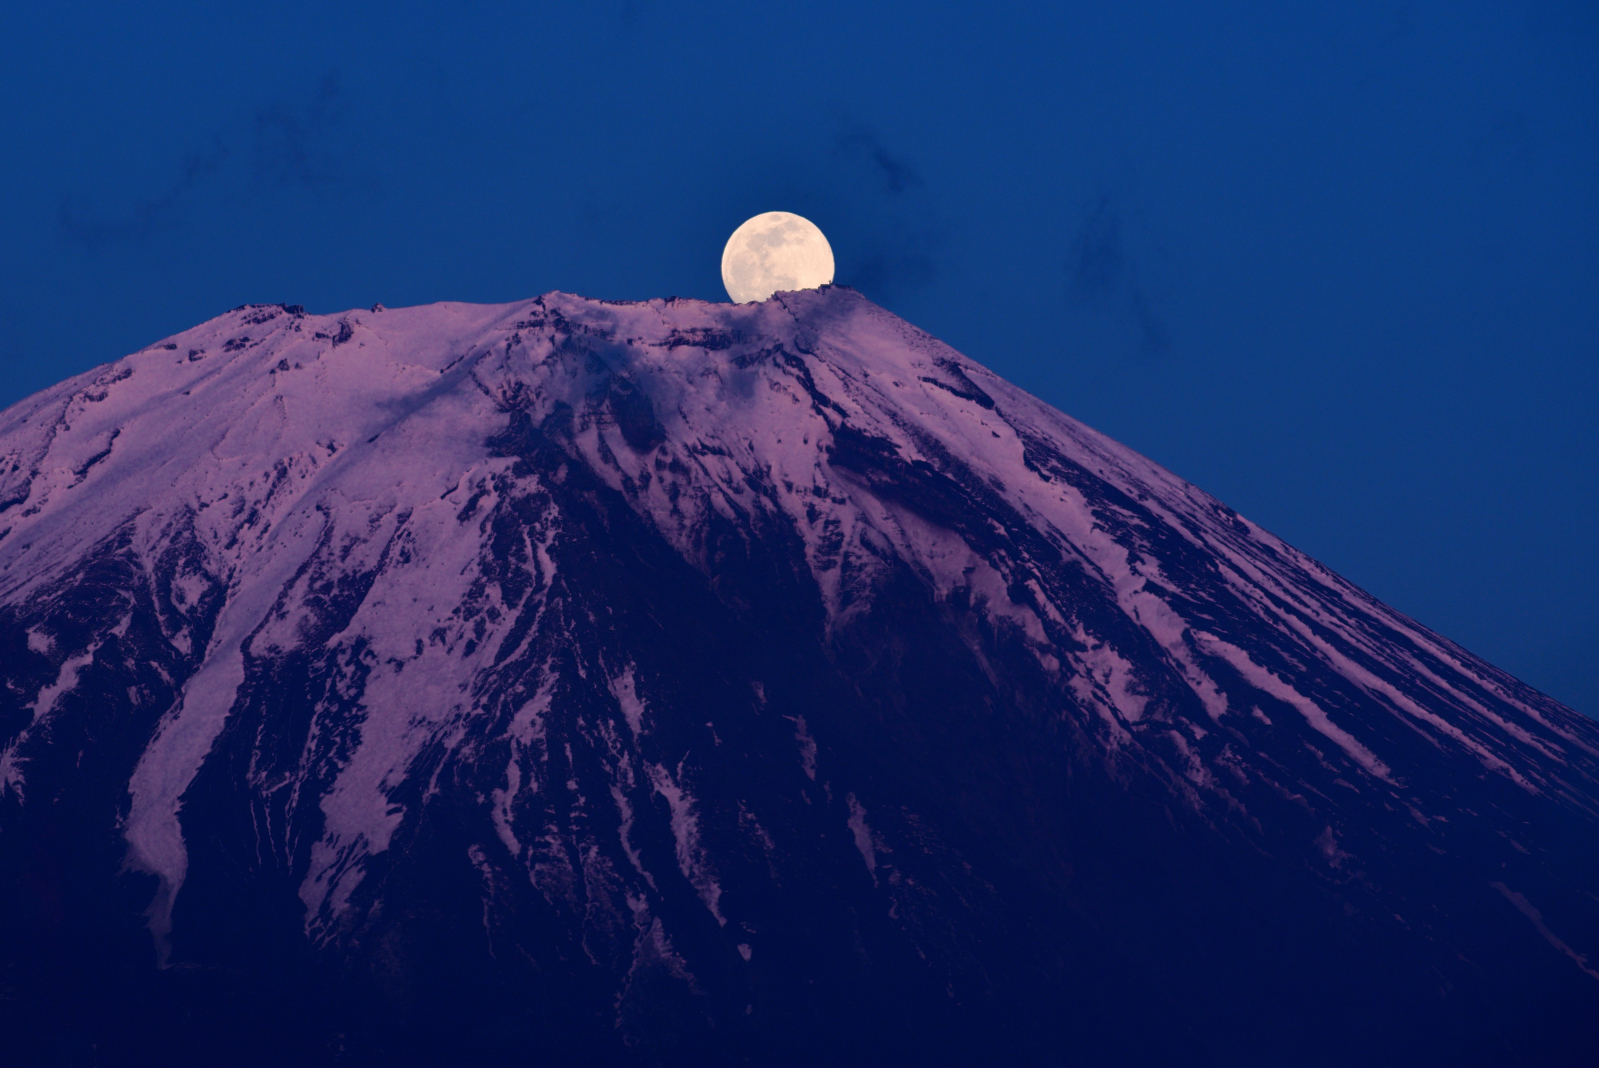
[[649, 683]]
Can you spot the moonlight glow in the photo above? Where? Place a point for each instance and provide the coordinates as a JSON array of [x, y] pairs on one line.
[[774, 252]]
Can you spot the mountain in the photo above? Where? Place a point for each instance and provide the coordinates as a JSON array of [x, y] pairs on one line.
[[582, 682]]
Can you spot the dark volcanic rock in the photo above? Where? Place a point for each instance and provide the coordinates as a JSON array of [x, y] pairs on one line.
[[585, 683]]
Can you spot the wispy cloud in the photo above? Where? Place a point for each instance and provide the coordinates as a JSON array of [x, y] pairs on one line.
[[892, 265], [898, 238], [1098, 263], [895, 173], [296, 145], [1114, 270], [84, 223], [281, 146]]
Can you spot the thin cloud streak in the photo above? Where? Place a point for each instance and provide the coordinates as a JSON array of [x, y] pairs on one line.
[[285, 146]]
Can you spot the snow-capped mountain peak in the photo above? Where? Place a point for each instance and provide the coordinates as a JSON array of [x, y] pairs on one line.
[[651, 624]]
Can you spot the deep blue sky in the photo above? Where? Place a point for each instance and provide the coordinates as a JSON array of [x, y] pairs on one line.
[[1337, 263]]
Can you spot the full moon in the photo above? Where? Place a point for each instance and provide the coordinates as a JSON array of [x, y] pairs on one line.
[[773, 252]]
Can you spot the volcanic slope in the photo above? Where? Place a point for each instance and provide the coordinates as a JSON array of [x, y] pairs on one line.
[[583, 682]]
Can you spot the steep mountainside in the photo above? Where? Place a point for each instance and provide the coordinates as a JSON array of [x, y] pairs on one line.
[[580, 682]]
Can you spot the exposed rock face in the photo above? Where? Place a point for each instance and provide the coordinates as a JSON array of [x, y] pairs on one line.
[[575, 682]]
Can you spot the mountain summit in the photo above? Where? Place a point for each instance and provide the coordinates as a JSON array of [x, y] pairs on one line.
[[650, 683]]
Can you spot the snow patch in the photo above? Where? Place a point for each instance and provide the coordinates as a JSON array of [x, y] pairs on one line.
[[11, 764], [625, 689], [807, 747], [1267, 682], [1526, 909], [862, 834], [692, 859]]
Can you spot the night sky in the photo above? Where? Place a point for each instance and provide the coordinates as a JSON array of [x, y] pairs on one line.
[[1337, 264]]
